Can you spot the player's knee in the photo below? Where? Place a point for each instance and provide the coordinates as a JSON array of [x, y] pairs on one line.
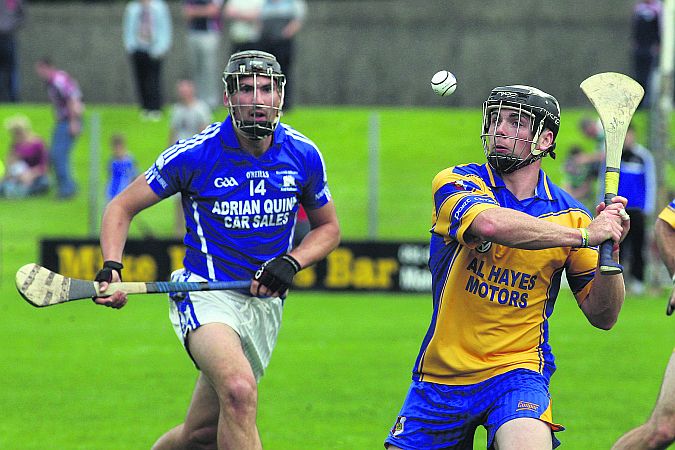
[[664, 432], [240, 394]]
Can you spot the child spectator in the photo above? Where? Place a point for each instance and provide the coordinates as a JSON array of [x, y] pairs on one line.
[[122, 167]]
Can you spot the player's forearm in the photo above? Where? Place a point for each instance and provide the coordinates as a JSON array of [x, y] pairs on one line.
[[318, 243], [114, 231], [604, 301], [518, 230]]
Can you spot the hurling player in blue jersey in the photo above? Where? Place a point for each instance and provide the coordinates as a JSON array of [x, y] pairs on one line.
[[502, 237], [658, 432], [241, 183]]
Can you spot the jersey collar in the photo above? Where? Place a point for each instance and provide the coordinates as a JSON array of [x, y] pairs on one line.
[[229, 136], [543, 190]]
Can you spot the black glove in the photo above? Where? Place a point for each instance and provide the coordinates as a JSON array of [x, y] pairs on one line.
[[105, 274], [277, 273]]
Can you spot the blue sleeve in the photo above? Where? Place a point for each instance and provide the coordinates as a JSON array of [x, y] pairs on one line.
[[168, 175], [316, 192]]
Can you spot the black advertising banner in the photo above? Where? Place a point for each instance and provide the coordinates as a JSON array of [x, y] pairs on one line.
[[353, 266]]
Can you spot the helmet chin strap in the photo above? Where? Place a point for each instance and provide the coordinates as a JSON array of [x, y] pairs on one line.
[[510, 163], [254, 131]]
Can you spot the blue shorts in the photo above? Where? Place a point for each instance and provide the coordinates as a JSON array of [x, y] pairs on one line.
[[438, 416]]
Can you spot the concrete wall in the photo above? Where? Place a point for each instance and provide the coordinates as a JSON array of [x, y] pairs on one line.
[[367, 52]]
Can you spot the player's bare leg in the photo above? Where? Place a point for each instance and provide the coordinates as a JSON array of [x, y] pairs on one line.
[[659, 431], [224, 404], [201, 423], [523, 434]]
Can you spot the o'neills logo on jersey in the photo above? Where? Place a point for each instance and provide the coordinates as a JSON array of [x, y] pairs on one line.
[[223, 182], [257, 174], [484, 247]]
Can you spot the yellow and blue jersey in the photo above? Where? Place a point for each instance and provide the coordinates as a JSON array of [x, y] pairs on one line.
[[491, 303], [668, 214]]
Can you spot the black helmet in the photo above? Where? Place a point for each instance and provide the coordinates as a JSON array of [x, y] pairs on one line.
[[543, 110], [253, 63]]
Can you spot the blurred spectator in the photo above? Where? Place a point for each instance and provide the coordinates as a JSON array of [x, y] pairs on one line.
[[245, 26], [27, 161], [204, 22], [592, 129], [646, 39], [64, 92], [122, 166], [580, 175], [147, 36], [11, 18], [637, 182], [189, 115], [281, 21]]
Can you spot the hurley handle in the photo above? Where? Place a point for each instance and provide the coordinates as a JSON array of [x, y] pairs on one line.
[[607, 264]]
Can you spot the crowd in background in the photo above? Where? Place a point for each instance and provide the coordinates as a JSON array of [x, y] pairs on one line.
[[147, 38], [269, 25]]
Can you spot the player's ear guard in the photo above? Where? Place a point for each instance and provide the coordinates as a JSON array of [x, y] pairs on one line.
[[277, 273], [105, 274]]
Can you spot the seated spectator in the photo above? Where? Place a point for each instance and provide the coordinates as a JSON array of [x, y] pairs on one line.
[[27, 162]]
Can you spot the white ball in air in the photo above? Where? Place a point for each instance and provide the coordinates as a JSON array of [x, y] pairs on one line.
[[443, 83]]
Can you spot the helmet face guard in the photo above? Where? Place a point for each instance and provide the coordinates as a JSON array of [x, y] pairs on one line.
[[542, 111], [257, 116]]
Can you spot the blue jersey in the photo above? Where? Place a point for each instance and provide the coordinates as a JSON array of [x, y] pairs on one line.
[[239, 209], [637, 180]]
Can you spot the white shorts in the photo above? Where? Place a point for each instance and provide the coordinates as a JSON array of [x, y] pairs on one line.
[[255, 320]]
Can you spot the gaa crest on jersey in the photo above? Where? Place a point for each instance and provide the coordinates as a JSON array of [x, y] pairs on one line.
[[484, 246], [398, 427], [223, 182]]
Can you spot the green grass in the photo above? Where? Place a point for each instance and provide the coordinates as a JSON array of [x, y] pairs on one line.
[[81, 377]]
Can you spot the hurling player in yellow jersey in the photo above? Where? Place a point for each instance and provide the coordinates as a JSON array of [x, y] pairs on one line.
[[502, 237], [659, 431]]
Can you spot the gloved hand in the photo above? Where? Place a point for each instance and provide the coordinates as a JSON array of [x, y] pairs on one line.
[[277, 274], [105, 274]]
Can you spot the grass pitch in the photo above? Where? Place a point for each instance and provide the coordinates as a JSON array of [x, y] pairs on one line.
[[76, 376]]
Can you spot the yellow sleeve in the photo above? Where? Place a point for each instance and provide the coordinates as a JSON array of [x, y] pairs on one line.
[[668, 214], [458, 199]]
